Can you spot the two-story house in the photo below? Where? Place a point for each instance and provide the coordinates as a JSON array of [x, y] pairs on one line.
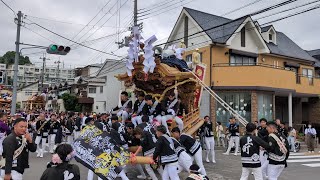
[[258, 71]]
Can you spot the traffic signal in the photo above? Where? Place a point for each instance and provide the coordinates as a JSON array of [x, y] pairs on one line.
[[58, 49]]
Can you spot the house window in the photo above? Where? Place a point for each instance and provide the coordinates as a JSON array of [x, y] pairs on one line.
[[28, 93], [243, 37], [101, 89], [270, 37], [37, 70], [308, 73], [92, 90], [239, 60]]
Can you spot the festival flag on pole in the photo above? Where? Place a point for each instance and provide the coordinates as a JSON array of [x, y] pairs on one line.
[[96, 150], [200, 71]]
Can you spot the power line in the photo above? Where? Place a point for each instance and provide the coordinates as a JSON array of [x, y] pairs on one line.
[[289, 9], [255, 13], [39, 34], [71, 23], [97, 22], [244, 6], [155, 5], [14, 12], [71, 40], [91, 20], [165, 11], [291, 15], [166, 4], [106, 21]]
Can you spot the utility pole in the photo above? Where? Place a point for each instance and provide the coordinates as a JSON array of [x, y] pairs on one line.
[[58, 72], [43, 71], [135, 13], [16, 63]]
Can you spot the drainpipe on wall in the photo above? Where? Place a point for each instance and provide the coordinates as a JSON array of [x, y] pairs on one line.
[[210, 83]]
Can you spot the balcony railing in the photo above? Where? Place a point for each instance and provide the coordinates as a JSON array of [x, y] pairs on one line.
[[264, 75]]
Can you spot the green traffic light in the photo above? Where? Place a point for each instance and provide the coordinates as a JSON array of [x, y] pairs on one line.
[[53, 47]]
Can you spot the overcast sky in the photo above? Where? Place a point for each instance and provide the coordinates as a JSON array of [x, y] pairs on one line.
[[303, 29]]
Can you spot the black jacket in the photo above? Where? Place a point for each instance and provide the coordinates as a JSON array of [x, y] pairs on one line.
[[60, 171], [165, 150], [234, 129], [166, 103], [129, 105], [147, 144], [69, 126], [275, 155], [207, 129], [44, 131], [137, 105], [11, 143], [192, 146], [54, 127], [178, 147], [117, 134], [250, 150], [263, 133], [78, 124], [157, 110]]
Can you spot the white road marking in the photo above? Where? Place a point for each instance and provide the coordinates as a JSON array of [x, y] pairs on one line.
[[303, 157], [312, 165], [302, 160]]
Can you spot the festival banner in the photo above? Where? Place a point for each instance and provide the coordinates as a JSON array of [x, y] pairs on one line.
[[200, 71], [96, 150]]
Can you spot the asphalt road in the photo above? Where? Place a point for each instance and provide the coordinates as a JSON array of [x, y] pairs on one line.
[[227, 168]]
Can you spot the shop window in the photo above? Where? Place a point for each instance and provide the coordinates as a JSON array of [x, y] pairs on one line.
[[240, 102]]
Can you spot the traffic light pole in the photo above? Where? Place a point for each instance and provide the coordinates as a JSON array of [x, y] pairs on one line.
[[43, 71], [16, 63]]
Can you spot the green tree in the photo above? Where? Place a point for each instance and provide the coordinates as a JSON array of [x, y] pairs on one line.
[[70, 101], [8, 58]]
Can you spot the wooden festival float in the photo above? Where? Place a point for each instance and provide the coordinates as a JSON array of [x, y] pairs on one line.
[[163, 80], [35, 102]]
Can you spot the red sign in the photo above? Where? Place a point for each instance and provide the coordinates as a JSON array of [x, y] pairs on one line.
[[200, 72]]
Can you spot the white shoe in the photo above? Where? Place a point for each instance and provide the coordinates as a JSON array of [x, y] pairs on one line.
[[309, 151], [312, 151], [141, 177], [38, 155], [214, 161], [236, 154], [225, 153], [294, 151], [41, 155], [207, 160]]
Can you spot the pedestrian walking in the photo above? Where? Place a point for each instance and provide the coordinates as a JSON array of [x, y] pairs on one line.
[[207, 129], [292, 139], [16, 147], [310, 133], [220, 134], [233, 129]]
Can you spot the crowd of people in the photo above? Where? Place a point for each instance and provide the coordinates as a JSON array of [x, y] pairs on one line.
[[143, 124]]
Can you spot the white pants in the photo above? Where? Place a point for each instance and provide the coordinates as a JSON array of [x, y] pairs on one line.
[[158, 118], [264, 163], [274, 171], [90, 175], [2, 137], [233, 139], [257, 173], [76, 134], [185, 161], [41, 144], [210, 148], [124, 115], [291, 141], [14, 175], [198, 158], [137, 166], [170, 172], [176, 119], [136, 120], [151, 172], [123, 175], [69, 139], [52, 142], [221, 140]]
